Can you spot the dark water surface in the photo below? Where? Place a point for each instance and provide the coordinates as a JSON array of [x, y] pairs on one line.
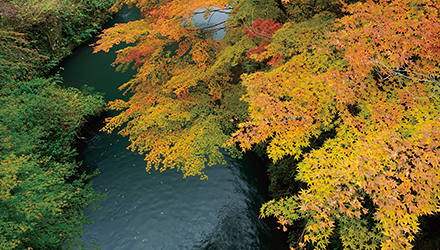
[[162, 210]]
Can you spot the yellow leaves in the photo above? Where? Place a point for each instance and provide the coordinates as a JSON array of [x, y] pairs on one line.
[[200, 53], [171, 132], [395, 165], [169, 118], [369, 146], [9, 168], [184, 78], [355, 234], [292, 104], [288, 105], [365, 165]]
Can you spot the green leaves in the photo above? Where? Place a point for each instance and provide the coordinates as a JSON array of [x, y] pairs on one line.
[[41, 193], [16, 56], [50, 28]]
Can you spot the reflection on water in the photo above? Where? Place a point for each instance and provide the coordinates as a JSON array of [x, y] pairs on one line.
[[164, 211], [153, 210]]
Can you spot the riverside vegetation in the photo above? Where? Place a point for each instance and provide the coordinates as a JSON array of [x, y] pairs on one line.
[[42, 191], [341, 96]]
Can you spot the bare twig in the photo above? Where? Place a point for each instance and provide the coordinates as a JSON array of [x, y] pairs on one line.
[[405, 73], [220, 11], [211, 26]]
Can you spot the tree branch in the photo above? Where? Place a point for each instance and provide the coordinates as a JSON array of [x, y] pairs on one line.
[[211, 26], [401, 72], [220, 11]]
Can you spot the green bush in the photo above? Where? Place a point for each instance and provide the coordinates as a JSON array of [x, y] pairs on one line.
[[53, 27], [42, 195]]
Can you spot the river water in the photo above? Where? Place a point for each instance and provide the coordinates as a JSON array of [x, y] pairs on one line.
[[161, 210]]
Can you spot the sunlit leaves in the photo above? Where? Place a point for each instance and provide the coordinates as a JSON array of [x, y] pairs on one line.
[[163, 118], [355, 104], [389, 174], [386, 167], [289, 105], [392, 35], [379, 172], [173, 115]]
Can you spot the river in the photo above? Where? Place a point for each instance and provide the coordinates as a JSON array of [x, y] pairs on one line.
[[161, 210]]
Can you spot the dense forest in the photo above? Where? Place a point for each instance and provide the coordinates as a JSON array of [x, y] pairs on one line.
[[341, 96], [42, 191]]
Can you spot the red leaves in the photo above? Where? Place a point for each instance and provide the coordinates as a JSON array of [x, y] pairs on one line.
[[262, 28]]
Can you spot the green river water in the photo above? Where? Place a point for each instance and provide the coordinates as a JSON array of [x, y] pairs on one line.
[[162, 210]]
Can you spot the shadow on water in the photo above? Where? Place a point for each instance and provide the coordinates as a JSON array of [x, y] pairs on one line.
[[154, 210], [85, 68]]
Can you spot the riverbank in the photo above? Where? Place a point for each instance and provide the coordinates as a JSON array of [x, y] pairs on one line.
[[36, 35], [42, 193]]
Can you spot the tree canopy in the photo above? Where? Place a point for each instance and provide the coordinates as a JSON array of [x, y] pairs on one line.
[[176, 114], [348, 90]]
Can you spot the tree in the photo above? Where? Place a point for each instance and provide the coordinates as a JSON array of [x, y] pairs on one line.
[[352, 97], [174, 115], [42, 193], [392, 36], [50, 28], [372, 180], [291, 104]]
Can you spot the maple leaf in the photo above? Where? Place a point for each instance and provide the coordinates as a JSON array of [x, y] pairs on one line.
[[170, 116]]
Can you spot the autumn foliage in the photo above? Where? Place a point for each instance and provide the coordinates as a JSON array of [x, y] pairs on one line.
[[171, 117], [262, 30], [373, 179], [349, 92]]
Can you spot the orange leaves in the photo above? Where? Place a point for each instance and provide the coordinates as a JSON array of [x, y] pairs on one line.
[[126, 33], [391, 35], [184, 78], [168, 118], [169, 131], [171, 10], [170, 29], [355, 115], [380, 169], [184, 47], [200, 53], [384, 113]]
